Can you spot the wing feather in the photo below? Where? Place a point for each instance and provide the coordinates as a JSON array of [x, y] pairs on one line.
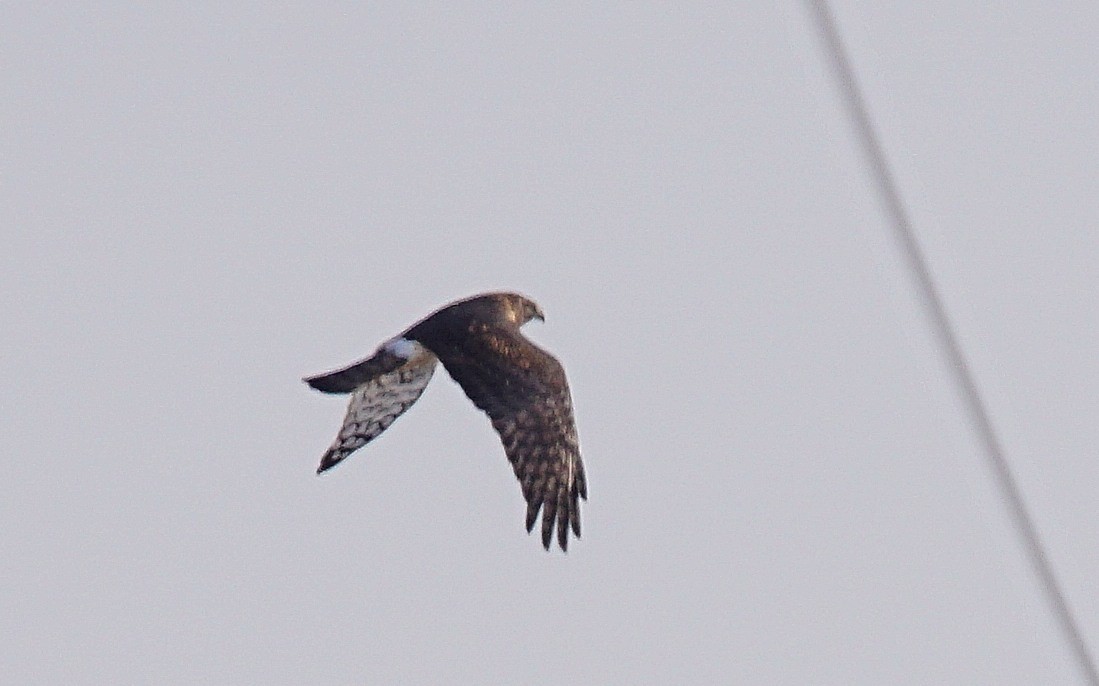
[[524, 392]]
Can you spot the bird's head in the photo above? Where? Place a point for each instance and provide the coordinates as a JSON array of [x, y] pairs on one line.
[[521, 309]]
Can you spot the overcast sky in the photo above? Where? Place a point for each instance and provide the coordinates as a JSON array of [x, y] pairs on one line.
[[204, 202]]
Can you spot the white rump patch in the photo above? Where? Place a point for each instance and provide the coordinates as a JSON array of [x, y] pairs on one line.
[[402, 347]]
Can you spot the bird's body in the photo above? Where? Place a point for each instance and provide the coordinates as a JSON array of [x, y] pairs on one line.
[[521, 387]]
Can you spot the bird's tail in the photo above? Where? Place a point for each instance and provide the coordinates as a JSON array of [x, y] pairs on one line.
[[346, 380]]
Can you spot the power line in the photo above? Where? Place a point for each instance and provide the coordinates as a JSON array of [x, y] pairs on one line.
[[948, 340]]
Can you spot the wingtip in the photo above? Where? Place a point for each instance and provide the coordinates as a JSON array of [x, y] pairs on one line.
[[532, 515], [328, 462], [547, 534]]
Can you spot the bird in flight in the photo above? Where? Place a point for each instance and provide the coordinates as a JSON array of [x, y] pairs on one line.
[[521, 387]]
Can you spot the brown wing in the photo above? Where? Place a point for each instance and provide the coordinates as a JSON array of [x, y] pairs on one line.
[[523, 390]]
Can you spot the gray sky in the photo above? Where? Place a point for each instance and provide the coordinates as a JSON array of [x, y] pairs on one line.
[[201, 204]]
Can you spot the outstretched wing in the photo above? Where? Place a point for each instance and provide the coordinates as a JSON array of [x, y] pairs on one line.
[[523, 390], [382, 388]]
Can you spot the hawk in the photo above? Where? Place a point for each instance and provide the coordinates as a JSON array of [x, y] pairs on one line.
[[521, 387]]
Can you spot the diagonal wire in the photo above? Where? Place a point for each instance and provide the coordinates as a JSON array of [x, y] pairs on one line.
[[947, 338]]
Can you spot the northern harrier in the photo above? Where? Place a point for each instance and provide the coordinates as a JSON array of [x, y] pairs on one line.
[[521, 387]]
